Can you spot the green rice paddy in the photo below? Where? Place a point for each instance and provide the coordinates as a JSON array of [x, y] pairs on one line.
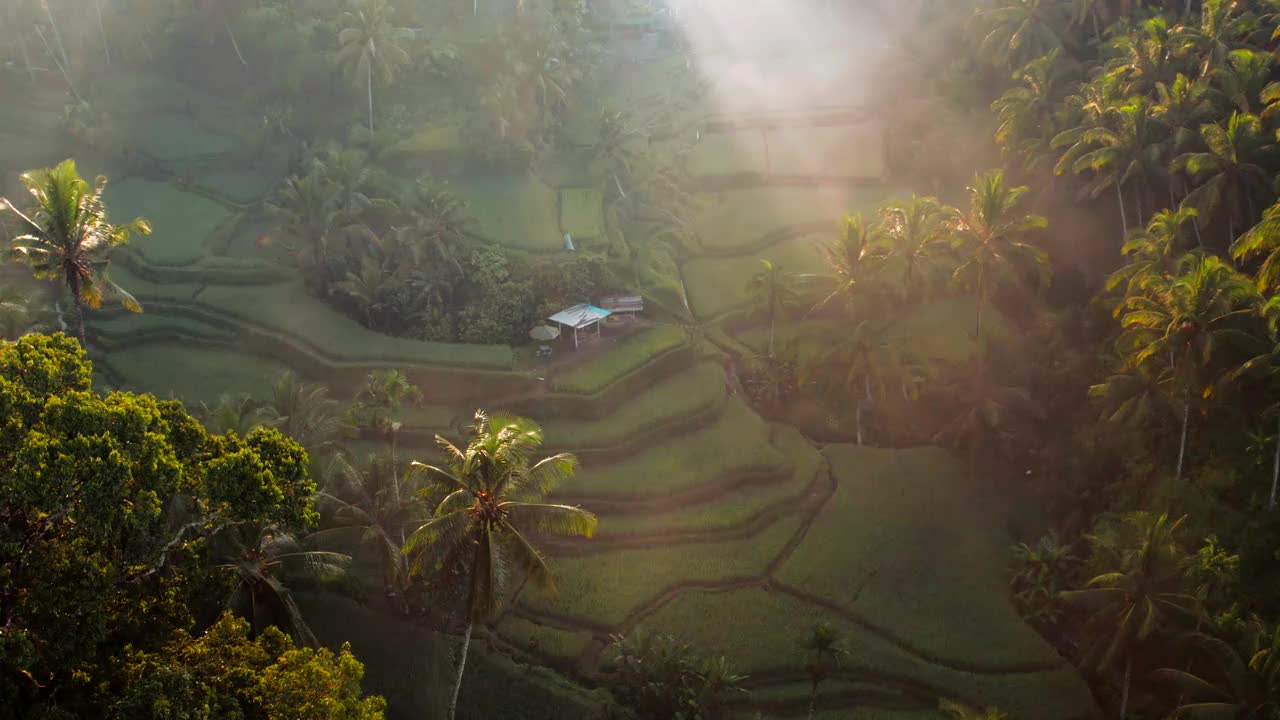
[[181, 222], [717, 527]]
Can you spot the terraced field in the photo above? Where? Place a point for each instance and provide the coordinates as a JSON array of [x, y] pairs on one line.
[[716, 525]]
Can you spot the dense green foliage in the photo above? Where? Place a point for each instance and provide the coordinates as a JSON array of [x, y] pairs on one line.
[[114, 508]]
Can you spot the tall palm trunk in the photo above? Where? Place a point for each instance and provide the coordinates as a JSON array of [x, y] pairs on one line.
[[26, 59], [1124, 220], [1275, 470], [773, 313], [1182, 443], [462, 666], [813, 700], [1097, 31], [226, 23], [369, 84], [58, 63], [57, 36], [102, 30], [1124, 693], [982, 291], [74, 283]]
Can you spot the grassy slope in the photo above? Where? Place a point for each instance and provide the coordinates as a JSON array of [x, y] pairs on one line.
[[687, 393], [919, 557], [193, 374], [180, 221], [519, 212], [736, 440], [731, 219], [607, 588], [719, 284], [628, 354], [778, 622], [736, 506]]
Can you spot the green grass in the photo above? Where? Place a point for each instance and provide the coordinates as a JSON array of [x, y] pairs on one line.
[[728, 153], [121, 326], [731, 219], [582, 212], [518, 212], [717, 285], [608, 587], [288, 308], [736, 506], [920, 557], [173, 138], [736, 439], [240, 187], [627, 355], [543, 639], [433, 417], [180, 221], [696, 389], [854, 151], [779, 622], [191, 373]]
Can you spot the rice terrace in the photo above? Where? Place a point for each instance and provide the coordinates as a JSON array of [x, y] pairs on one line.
[[639, 359]]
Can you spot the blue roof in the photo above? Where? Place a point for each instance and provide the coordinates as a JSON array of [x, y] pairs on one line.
[[580, 316]]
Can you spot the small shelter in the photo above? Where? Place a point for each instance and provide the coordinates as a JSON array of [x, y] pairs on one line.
[[580, 317]]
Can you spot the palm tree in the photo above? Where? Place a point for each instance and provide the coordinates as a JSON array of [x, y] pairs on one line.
[[1153, 251], [1231, 172], [1178, 323], [304, 412], [1131, 602], [263, 559], [773, 289], [1221, 30], [1026, 112], [383, 395], [913, 235], [1262, 240], [1182, 107], [1147, 57], [985, 411], [439, 219], [990, 236], [67, 237], [612, 150], [957, 710], [1129, 153], [308, 211], [853, 259], [373, 289], [1019, 30], [824, 649], [1242, 682], [859, 361], [370, 45], [1263, 372], [493, 491], [376, 498], [1036, 585], [232, 413], [1243, 79]]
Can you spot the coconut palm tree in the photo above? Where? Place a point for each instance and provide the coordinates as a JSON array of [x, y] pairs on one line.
[[773, 289], [1237, 682], [1242, 80], [1183, 107], [239, 413], [984, 410], [1154, 250], [1262, 241], [824, 650], [1180, 325], [373, 290], [612, 151], [863, 361], [68, 238], [264, 559], [440, 221], [913, 237], [853, 259], [1026, 112], [383, 503], [1222, 28], [369, 45], [1127, 152], [1262, 372], [1147, 57], [304, 412], [1231, 173], [990, 238], [1019, 30], [1138, 595], [493, 488]]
